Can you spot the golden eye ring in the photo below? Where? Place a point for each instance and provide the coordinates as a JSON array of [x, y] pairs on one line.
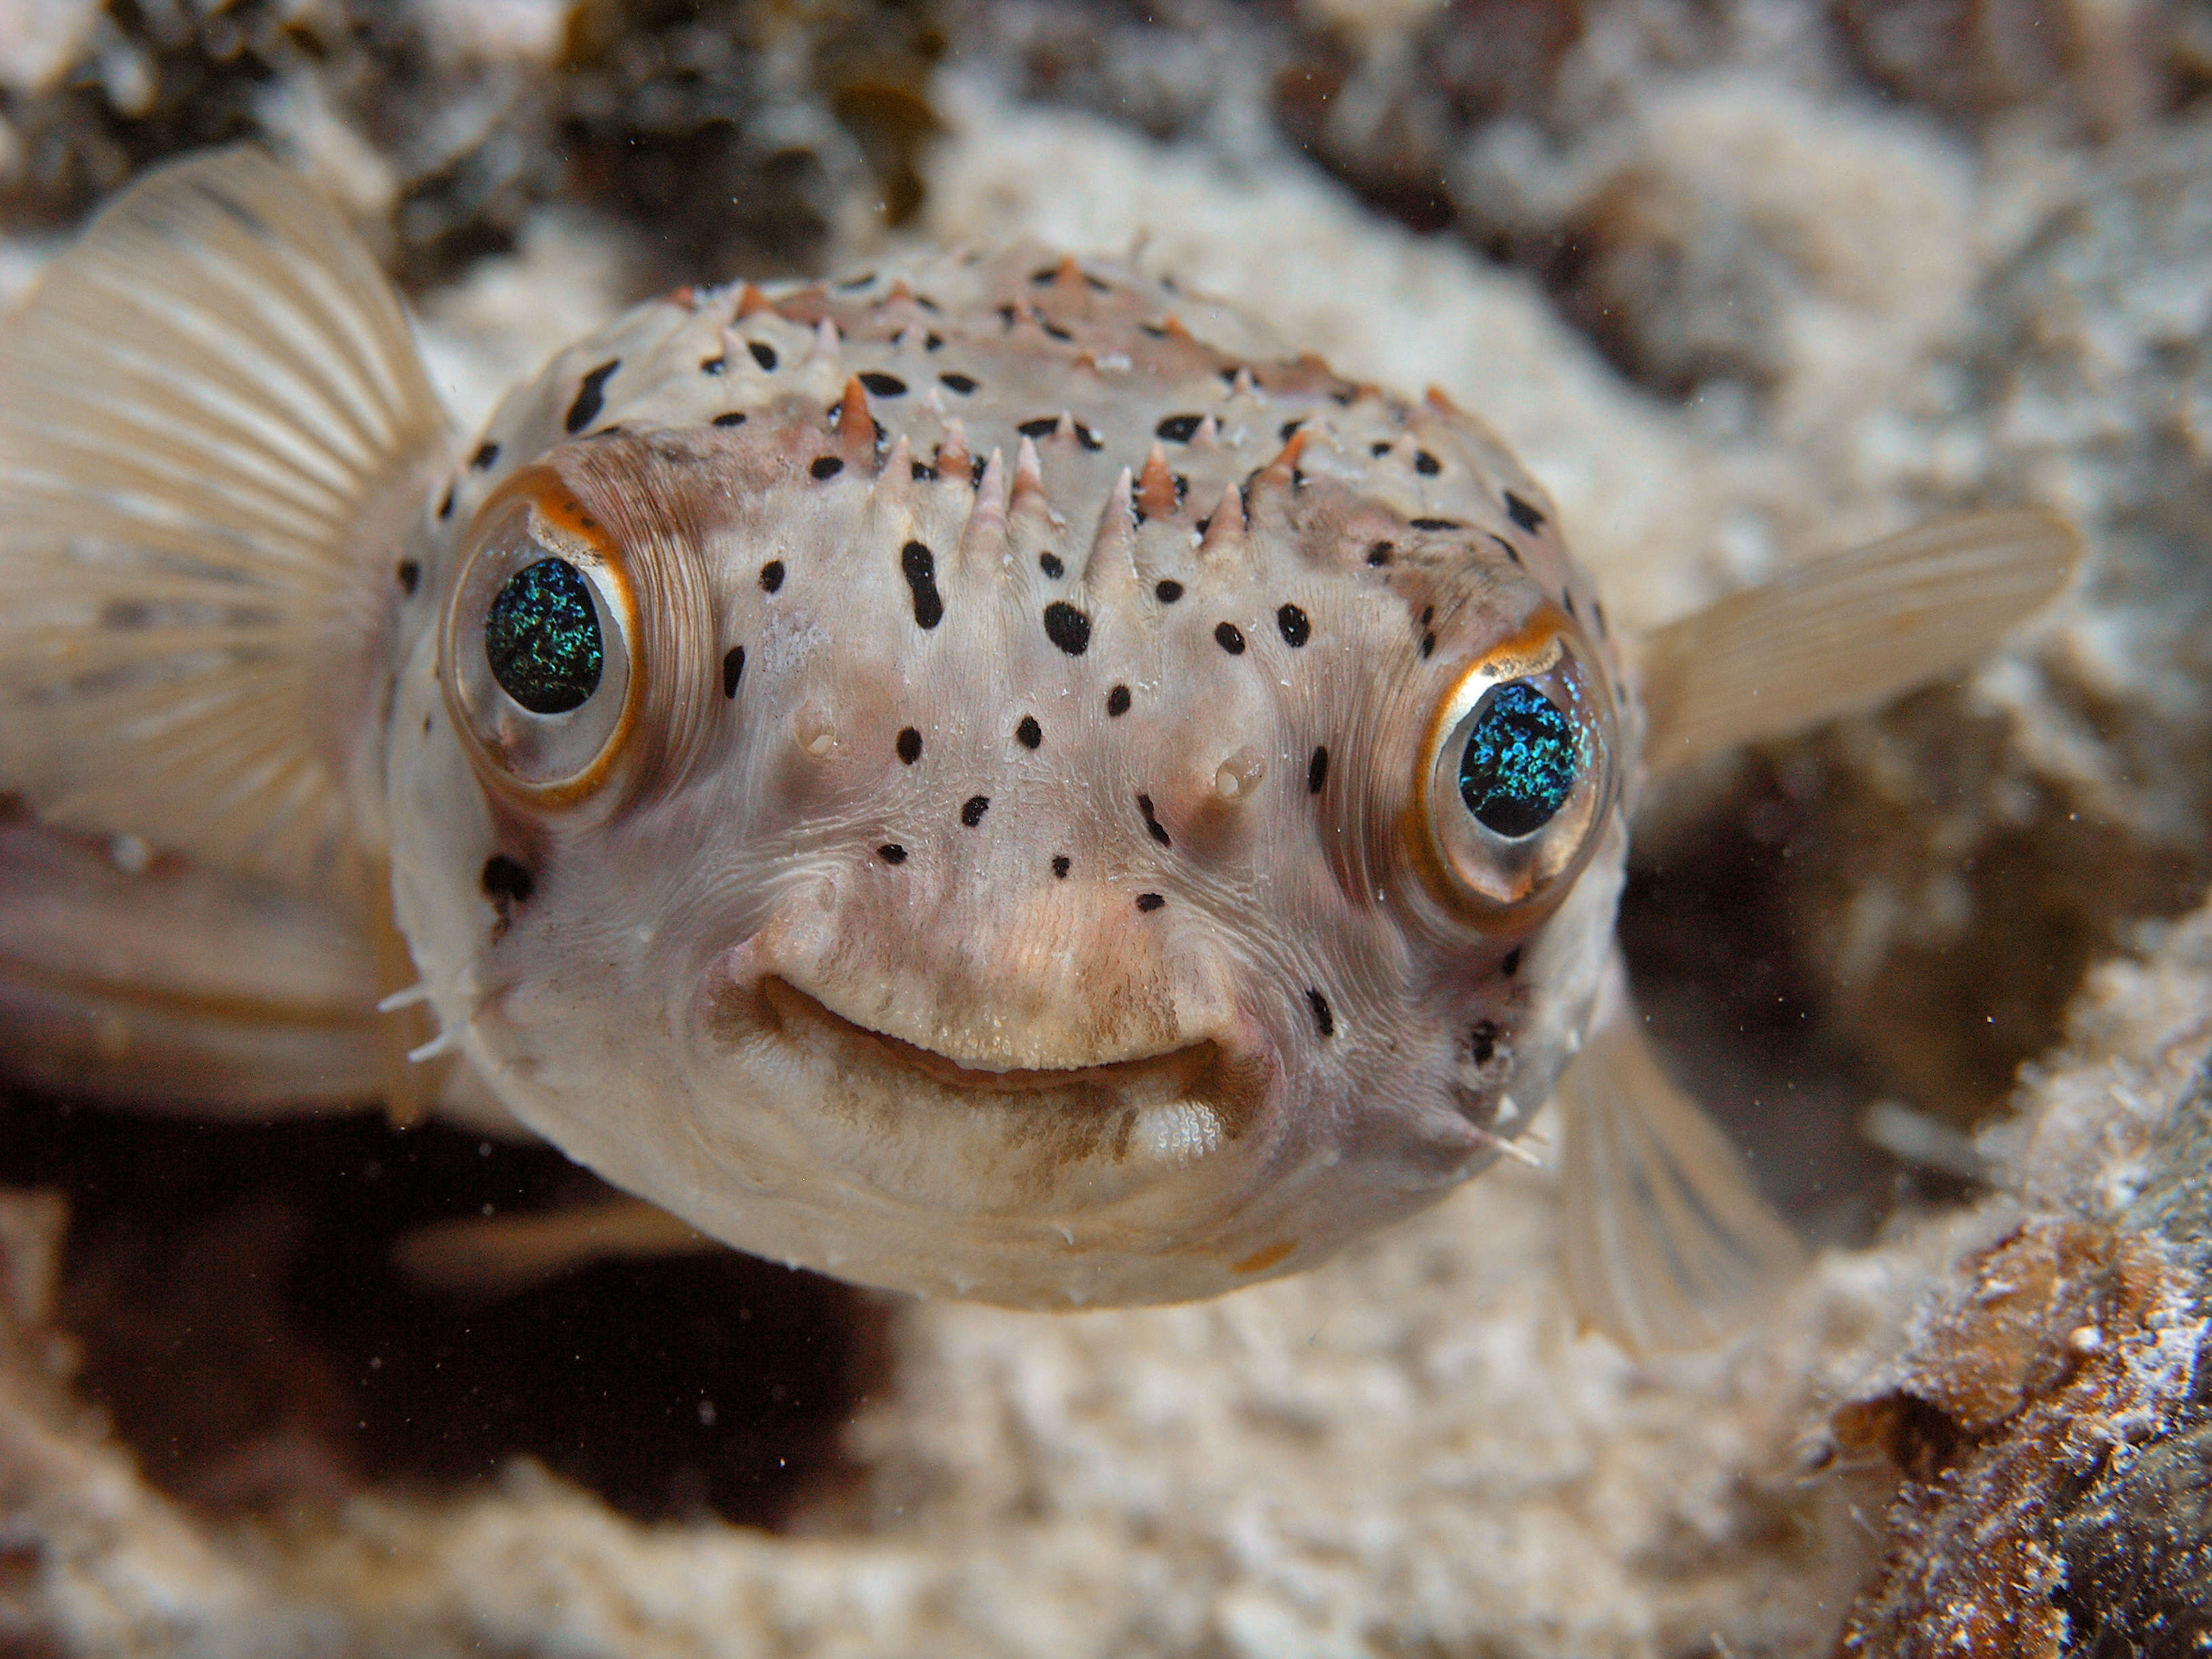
[[536, 651], [1515, 773]]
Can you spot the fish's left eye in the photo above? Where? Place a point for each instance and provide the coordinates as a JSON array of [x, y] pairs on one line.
[[537, 655], [1519, 773], [1521, 761]]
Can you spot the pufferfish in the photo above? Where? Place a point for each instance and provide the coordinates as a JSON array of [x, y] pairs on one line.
[[994, 780]]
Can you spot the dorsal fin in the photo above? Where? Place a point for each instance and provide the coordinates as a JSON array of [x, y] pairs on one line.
[[1845, 632], [214, 429]]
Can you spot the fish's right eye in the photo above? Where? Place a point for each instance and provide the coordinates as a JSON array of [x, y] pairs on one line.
[[537, 654], [542, 638]]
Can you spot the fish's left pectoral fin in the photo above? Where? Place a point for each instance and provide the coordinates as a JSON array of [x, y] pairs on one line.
[[1668, 1246], [1847, 632], [215, 431]]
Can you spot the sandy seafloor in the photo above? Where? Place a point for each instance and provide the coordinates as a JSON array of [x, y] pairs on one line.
[[1742, 283]]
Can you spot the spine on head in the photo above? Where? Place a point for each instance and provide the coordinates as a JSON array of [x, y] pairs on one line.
[[215, 430]]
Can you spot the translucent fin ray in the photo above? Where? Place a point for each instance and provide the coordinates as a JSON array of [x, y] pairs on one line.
[[1666, 1244], [1847, 632], [212, 423], [501, 1255]]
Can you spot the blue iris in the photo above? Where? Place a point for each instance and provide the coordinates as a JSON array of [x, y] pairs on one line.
[[542, 638], [1521, 761]]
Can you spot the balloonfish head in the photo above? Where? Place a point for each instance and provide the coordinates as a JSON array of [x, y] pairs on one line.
[[958, 781]]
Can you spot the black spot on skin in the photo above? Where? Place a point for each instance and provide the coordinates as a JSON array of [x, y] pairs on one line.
[[735, 418], [1117, 701], [1043, 426], [1029, 733], [1051, 328], [1201, 527], [1152, 329], [1006, 315], [1522, 514], [1426, 464], [1167, 592], [923, 471], [1097, 284], [1597, 611], [884, 386], [1045, 277], [1436, 524], [487, 456], [972, 810], [1068, 627], [591, 396], [1159, 831], [1229, 375], [1318, 771], [762, 354], [891, 853], [932, 341], [919, 566], [1512, 551], [507, 882], [826, 466], [910, 745], [1060, 867], [1379, 448], [1288, 429], [1229, 638], [713, 365], [733, 670], [1149, 902], [772, 575], [1428, 614], [1324, 1021], [1179, 429], [606, 431], [962, 384], [1428, 644], [1050, 564], [854, 284], [1482, 1041], [1511, 964], [410, 576], [1379, 554], [1294, 626], [1567, 599], [446, 503]]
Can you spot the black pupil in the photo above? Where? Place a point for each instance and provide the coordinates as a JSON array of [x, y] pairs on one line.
[[1521, 761], [542, 638]]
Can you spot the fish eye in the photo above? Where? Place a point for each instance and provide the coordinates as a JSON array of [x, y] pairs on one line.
[[1519, 773], [537, 654], [1522, 759], [542, 638]]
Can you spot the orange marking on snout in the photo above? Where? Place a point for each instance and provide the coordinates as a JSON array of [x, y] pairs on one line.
[[1260, 1261]]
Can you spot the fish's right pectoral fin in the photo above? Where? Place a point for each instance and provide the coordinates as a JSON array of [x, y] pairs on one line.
[[496, 1256], [1668, 1246], [1842, 633], [213, 431]]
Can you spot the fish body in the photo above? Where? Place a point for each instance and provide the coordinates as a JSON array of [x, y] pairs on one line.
[[994, 780]]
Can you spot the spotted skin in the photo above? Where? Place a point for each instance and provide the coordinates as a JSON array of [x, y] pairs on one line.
[[907, 931]]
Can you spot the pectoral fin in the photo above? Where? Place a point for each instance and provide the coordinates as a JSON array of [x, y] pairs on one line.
[[1845, 633], [214, 427], [1666, 1244]]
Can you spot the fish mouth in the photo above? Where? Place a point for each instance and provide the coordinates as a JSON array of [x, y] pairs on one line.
[[1202, 1071]]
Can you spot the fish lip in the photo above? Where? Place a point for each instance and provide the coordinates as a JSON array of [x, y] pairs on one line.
[[1181, 1069]]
